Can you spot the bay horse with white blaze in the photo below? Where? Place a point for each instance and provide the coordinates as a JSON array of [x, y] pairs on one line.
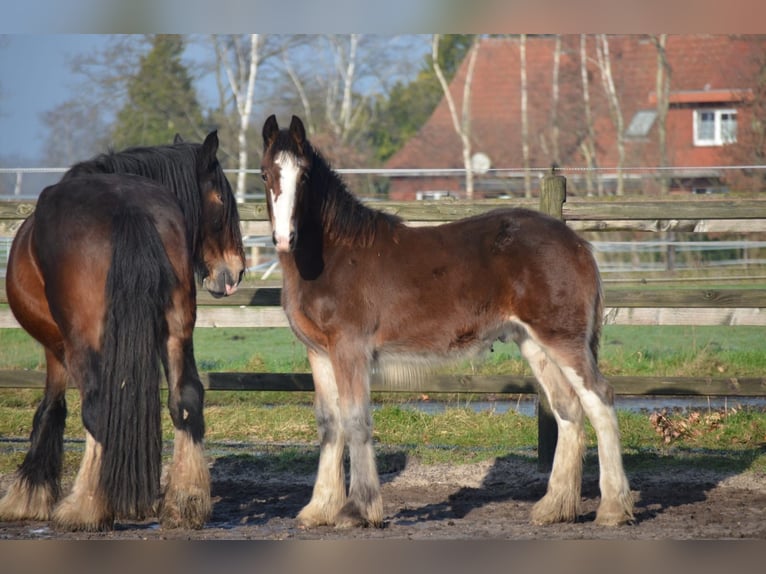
[[102, 274], [361, 288]]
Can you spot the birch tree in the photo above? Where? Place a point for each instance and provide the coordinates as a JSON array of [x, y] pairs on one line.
[[588, 144], [524, 115], [461, 122], [339, 110], [663, 99], [336, 80], [607, 79], [555, 152], [237, 58]]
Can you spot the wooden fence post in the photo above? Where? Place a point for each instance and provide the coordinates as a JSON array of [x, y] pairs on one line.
[[553, 194]]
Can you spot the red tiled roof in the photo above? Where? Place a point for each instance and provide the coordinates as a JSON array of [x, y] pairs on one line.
[[712, 64]]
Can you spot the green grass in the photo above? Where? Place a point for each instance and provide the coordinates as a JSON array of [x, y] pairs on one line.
[[457, 435], [625, 350], [733, 438]]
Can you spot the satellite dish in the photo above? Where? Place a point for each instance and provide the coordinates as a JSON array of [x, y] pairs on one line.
[[480, 163]]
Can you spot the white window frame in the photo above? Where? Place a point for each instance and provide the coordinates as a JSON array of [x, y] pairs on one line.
[[717, 139]]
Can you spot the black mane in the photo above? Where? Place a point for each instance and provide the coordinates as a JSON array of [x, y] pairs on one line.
[[344, 217], [177, 167]]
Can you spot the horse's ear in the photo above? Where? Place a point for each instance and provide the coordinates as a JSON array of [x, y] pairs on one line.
[[209, 149], [178, 139], [297, 130], [270, 130]]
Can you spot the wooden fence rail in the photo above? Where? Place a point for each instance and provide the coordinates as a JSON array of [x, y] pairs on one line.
[[260, 306]]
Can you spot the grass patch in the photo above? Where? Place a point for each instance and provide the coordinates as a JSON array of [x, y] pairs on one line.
[[458, 435], [625, 350]]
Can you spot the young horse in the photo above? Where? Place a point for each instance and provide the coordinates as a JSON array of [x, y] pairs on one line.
[[102, 274], [361, 287]]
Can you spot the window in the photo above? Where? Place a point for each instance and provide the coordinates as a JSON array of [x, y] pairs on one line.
[[641, 123], [432, 195], [715, 127]]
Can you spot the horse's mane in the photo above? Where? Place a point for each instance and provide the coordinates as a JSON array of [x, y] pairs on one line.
[[344, 217], [175, 166]]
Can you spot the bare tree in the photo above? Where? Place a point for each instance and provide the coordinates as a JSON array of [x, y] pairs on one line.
[[663, 99], [555, 152], [76, 132], [461, 123], [237, 57], [524, 115], [339, 109], [301, 90], [607, 79], [588, 144], [335, 80]]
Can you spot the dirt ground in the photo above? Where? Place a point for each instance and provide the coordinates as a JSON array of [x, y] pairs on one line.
[[488, 500]]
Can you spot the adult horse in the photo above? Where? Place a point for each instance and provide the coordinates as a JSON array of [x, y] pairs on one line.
[[103, 275], [362, 288]]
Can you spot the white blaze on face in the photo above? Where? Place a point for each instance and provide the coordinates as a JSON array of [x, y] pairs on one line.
[[284, 205]]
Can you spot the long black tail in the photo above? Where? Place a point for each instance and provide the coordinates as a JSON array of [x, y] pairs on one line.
[[138, 288]]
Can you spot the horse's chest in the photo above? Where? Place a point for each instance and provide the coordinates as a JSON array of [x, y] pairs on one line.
[[312, 315]]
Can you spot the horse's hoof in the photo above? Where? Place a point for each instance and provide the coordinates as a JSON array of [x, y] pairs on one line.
[[184, 510], [352, 516], [553, 510], [310, 517], [616, 512], [24, 502]]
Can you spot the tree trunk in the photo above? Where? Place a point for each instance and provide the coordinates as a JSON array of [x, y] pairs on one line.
[[524, 116], [605, 65], [588, 145], [241, 79], [555, 153], [663, 97], [462, 123]]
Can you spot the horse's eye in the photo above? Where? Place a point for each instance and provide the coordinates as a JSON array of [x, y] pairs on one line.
[[264, 176]]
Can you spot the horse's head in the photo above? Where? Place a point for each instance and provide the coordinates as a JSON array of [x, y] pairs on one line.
[[285, 171], [222, 260]]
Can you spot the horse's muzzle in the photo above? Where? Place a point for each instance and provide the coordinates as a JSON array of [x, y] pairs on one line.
[[223, 284], [284, 244]]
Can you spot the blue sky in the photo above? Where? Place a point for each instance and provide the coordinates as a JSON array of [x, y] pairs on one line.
[[35, 76]]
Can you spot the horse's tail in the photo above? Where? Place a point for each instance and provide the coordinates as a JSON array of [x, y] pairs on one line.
[[138, 292]]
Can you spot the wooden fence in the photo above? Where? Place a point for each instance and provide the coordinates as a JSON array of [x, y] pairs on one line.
[[260, 306]]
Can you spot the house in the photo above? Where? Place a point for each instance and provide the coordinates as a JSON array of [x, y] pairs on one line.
[[714, 92]]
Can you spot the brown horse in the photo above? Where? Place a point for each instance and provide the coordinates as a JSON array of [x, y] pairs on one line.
[[362, 288], [102, 274]]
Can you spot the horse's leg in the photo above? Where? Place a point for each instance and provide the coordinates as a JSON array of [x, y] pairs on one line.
[[36, 487], [330, 487], [186, 499], [561, 502], [86, 507], [597, 398], [365, 504]]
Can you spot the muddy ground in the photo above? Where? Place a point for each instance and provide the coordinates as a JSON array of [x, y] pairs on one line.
[[487, 500]]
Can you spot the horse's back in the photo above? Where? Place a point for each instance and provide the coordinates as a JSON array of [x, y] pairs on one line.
[[510, 230], [513, 245]]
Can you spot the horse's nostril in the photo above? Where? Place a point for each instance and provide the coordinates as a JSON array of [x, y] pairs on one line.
[[274, 237], [292, 239]]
